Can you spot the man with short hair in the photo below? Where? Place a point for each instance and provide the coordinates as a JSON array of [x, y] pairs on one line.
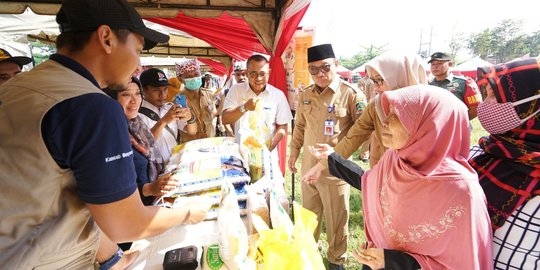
[[11, 65], [66, 159], [199, 100], [244, 98], [239, 73], [326, 111], [167, 121], [462, 87]]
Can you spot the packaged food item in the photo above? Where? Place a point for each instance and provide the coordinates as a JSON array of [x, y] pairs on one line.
[[211, 259], [200, 167], [255, 158], [233, 238]]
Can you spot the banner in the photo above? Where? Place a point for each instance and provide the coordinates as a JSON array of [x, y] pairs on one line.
[[296, 66]]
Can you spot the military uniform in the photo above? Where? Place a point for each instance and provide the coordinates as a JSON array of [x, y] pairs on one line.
[[201, 104], [462, 87], [346, 104]]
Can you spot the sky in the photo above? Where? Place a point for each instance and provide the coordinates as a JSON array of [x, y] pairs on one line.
[[352, 25]]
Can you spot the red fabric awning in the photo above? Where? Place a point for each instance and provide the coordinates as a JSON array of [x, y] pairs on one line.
[[218, 68], [287, 26], [234, 37], [228, 34]]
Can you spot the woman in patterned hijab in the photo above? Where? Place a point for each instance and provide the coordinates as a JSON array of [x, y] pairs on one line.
[[148, 161], [509, 168]]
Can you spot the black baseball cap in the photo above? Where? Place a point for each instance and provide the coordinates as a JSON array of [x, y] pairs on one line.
[[440, 56], [5, 56], [88, 15], [154, 77]]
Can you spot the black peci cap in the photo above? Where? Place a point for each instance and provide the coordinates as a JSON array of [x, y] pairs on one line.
[[439, 56], [320, 52], [5, 56], [88, 15], [153, 77]]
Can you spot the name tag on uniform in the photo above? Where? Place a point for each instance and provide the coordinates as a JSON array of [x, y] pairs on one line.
[[329, 127], [306, 102]]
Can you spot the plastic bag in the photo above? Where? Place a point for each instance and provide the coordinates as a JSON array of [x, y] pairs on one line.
[[299, 252], [233, 238]]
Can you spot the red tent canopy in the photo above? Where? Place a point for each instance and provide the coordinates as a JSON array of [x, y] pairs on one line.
[[228, 34], [234, 37], [218, 68]]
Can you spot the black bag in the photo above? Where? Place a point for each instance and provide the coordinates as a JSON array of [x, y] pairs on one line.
[[184, 258]]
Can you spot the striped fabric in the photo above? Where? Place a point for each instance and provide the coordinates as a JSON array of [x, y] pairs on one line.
[[516, 245]]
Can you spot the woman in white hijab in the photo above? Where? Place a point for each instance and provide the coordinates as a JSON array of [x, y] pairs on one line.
[[388, 72]]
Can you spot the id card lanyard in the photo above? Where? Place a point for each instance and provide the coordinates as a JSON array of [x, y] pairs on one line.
[[329, 123]]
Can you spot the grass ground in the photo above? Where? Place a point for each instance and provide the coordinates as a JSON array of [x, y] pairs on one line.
[[356, 220]]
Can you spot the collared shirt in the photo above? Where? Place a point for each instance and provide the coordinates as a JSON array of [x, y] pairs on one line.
[[347, 104], [166, 141], [464, 88], [273, 102], [203, 107]]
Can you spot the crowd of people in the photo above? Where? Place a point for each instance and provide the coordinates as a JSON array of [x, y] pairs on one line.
[[85, 143]]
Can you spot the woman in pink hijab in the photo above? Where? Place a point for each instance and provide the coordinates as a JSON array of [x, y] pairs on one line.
[[423, 206]]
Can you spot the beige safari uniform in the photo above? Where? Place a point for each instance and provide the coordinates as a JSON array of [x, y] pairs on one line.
[[361, 131], [43, 223], [330, 193], [202, 105]]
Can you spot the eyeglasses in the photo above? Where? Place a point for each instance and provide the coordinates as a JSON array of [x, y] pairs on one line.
[[313, 70], [378, 82], [255, 74]]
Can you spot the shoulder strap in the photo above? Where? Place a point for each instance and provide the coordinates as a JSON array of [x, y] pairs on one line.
[[155, 117], [149, 113]]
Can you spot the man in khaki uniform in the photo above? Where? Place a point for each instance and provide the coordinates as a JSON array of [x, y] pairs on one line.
[[199, 100], [326, 111]]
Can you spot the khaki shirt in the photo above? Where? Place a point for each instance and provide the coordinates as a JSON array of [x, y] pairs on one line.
[[366, 125], [202, 105], [348, 103]]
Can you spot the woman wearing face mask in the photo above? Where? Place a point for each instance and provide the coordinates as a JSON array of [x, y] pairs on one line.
[[388, 72], [509, 167], [199, 99], [423, 206]]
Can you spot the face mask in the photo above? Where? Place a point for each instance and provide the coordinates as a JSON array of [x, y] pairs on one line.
[[193, 84], [498, 118]]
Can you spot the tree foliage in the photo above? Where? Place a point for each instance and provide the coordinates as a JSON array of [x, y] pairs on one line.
[[361, 57], [41, 51], [504, 42]]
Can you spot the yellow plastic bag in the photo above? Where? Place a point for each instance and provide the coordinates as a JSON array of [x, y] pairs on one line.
[[299, 252]]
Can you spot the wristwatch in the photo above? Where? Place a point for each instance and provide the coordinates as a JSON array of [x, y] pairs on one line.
[[242, 108]]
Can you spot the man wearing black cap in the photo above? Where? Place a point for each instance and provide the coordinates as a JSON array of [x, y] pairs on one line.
[[164, 119], [11, 65], [66, 159], [462, 87], [326, 111]]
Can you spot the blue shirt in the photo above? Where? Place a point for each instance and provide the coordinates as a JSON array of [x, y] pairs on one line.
[[89, 135], [141, 166]]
